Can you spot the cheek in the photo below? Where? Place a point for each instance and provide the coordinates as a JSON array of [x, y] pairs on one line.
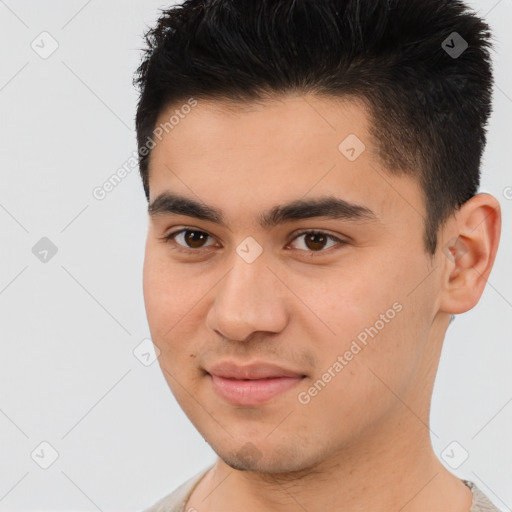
[[374, 324], [356, 381], [165, 290], [156, 287], [166, 297], [176, 306], [345, 300]]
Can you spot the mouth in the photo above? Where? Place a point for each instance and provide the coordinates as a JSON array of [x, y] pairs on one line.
[[251, 384], [252, 392]]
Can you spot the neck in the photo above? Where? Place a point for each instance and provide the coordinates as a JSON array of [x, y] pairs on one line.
[[395, 469]]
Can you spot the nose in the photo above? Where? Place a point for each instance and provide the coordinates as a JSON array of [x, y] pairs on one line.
[[250, 298]]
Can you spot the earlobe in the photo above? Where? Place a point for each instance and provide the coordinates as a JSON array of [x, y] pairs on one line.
[[470, 251]]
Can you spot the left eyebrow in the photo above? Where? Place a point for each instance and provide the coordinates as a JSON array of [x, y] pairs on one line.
[[330, 207]]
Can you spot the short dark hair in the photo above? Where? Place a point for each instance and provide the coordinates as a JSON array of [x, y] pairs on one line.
[[428, 105]]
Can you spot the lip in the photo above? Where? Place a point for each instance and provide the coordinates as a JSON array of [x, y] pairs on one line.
[[252, 384], [230, 370]]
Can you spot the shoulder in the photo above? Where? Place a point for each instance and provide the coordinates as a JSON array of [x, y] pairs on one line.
[[481, 502], [176, 500]]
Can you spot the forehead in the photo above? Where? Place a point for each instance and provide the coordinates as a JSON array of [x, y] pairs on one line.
[[286, 128], [265, 153]]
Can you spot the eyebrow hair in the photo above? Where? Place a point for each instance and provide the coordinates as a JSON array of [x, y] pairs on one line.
[[300, 209]]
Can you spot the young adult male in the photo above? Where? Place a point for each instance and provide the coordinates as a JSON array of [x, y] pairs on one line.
[[312, 172]]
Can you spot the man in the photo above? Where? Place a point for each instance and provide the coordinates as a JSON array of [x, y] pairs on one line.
[[312, 170]]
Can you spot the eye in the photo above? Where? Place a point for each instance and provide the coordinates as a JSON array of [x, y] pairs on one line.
[[316, 240], [184, 237]]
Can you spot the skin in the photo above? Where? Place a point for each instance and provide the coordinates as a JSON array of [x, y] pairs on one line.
[[363, 442]]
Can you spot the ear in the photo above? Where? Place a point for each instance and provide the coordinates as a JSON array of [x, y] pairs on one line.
[[470, 247]]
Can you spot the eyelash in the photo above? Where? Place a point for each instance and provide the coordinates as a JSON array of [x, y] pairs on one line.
[[170, 238]]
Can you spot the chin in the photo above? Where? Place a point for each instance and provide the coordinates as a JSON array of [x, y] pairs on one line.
[[250, 457]]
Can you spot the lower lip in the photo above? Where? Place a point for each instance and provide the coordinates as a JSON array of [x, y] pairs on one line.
[[252, 392]]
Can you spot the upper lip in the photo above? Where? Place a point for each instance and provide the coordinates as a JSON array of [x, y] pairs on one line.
[[230, 370]]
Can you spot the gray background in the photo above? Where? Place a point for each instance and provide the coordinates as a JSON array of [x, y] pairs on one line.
[[69, 326]]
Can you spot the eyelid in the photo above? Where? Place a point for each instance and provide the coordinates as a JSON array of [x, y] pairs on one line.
[[328, 235], [170, 238], [294, 236]]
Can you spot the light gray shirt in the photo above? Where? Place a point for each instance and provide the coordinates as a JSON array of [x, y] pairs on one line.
[[176, 501]]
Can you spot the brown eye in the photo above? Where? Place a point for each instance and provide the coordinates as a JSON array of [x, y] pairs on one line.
[[188, 239], [315, 241], [195, 239]]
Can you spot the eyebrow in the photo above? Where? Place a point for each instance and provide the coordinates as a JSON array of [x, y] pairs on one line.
[[300, 209]]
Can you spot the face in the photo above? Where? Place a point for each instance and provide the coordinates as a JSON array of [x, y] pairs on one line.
[[349, 306]]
